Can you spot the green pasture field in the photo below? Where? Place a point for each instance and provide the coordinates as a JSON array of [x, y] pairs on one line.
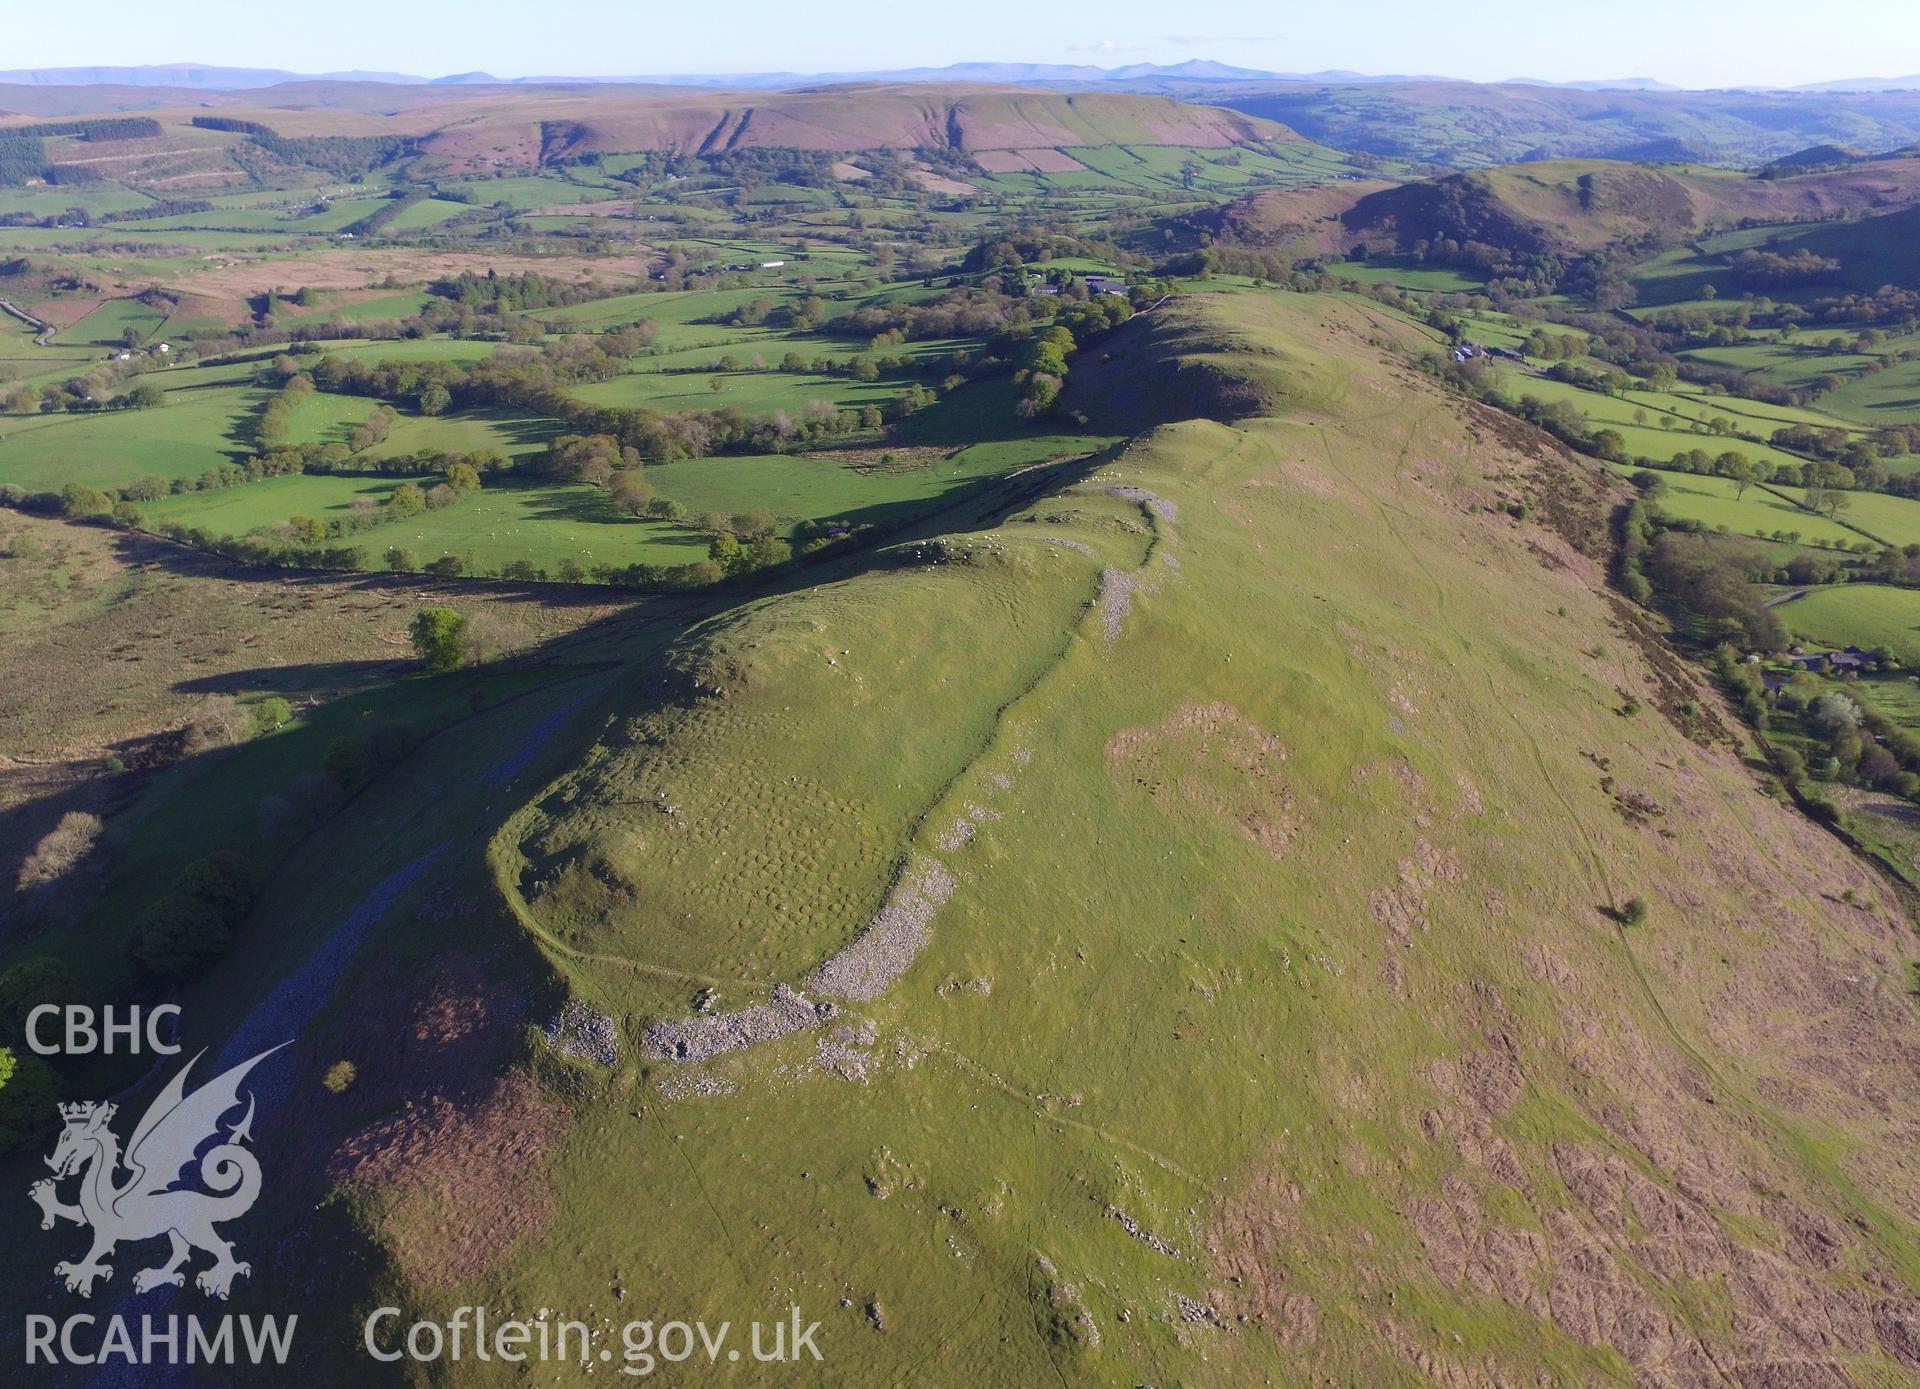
[[756, 392], [196, 430], [1894, 520], [412, 350], [1650, 440], [21, 359], [1863, 615], [387, 307], [676, 307], [796, 487], [1712, 501], [547, 523], [1435, 279], [326, 418], [544, 523], [259, 220], [1752, 416], [1887, 397], [48, 201], [1498, 330], [1871, 252], [1795, 364], [533, 191], [106, 325], [428, 212]]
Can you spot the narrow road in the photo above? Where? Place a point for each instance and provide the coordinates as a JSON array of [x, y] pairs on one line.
[[46, 330]]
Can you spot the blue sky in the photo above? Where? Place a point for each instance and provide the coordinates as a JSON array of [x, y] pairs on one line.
[[1691, 42]]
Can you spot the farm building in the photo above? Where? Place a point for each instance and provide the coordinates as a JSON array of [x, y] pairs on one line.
[[1853, 658]]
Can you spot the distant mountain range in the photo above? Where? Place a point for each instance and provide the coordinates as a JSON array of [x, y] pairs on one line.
[[1198, 71]]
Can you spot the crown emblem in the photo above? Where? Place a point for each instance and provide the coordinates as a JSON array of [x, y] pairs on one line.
[[86, 1109]]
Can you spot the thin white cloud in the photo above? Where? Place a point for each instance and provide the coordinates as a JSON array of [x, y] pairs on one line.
[[1223, 38]]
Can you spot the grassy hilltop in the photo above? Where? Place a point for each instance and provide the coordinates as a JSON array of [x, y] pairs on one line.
[[1088, 739], [1258, 806]]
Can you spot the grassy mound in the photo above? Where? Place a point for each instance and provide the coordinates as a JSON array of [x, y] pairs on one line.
[[1199, 357]]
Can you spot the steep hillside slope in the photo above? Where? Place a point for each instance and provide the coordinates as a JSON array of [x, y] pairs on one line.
[[1564, 205], [1165, 931], [468, 128], [868, 117]]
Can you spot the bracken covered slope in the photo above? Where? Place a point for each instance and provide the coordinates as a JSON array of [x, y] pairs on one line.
[[470, 128]]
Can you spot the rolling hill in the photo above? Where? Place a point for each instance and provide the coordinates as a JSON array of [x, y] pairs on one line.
[[1562, 206], [1161, 923]]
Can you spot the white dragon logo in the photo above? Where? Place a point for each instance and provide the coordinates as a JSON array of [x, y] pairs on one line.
[[147, 1204]]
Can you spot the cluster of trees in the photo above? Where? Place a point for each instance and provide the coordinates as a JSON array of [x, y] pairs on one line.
[[233, 125], [344, 156], [538, 382], [337, 457], [98, 389], [409, 499], [736, 555], [1850, 739], [23, 150], [1280, 265], [183, 934], [1037, 246], [964, 312], [512, 376], [78, 395], [1709, 588], [276, 416], [267, 552], [1760, 269], [496, 293], [1041, 357], [439, 637], [746, 167], [1742, 470], [600, 460], [1889, 303], [29, 1087], [81, 217], [1554, 347]]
